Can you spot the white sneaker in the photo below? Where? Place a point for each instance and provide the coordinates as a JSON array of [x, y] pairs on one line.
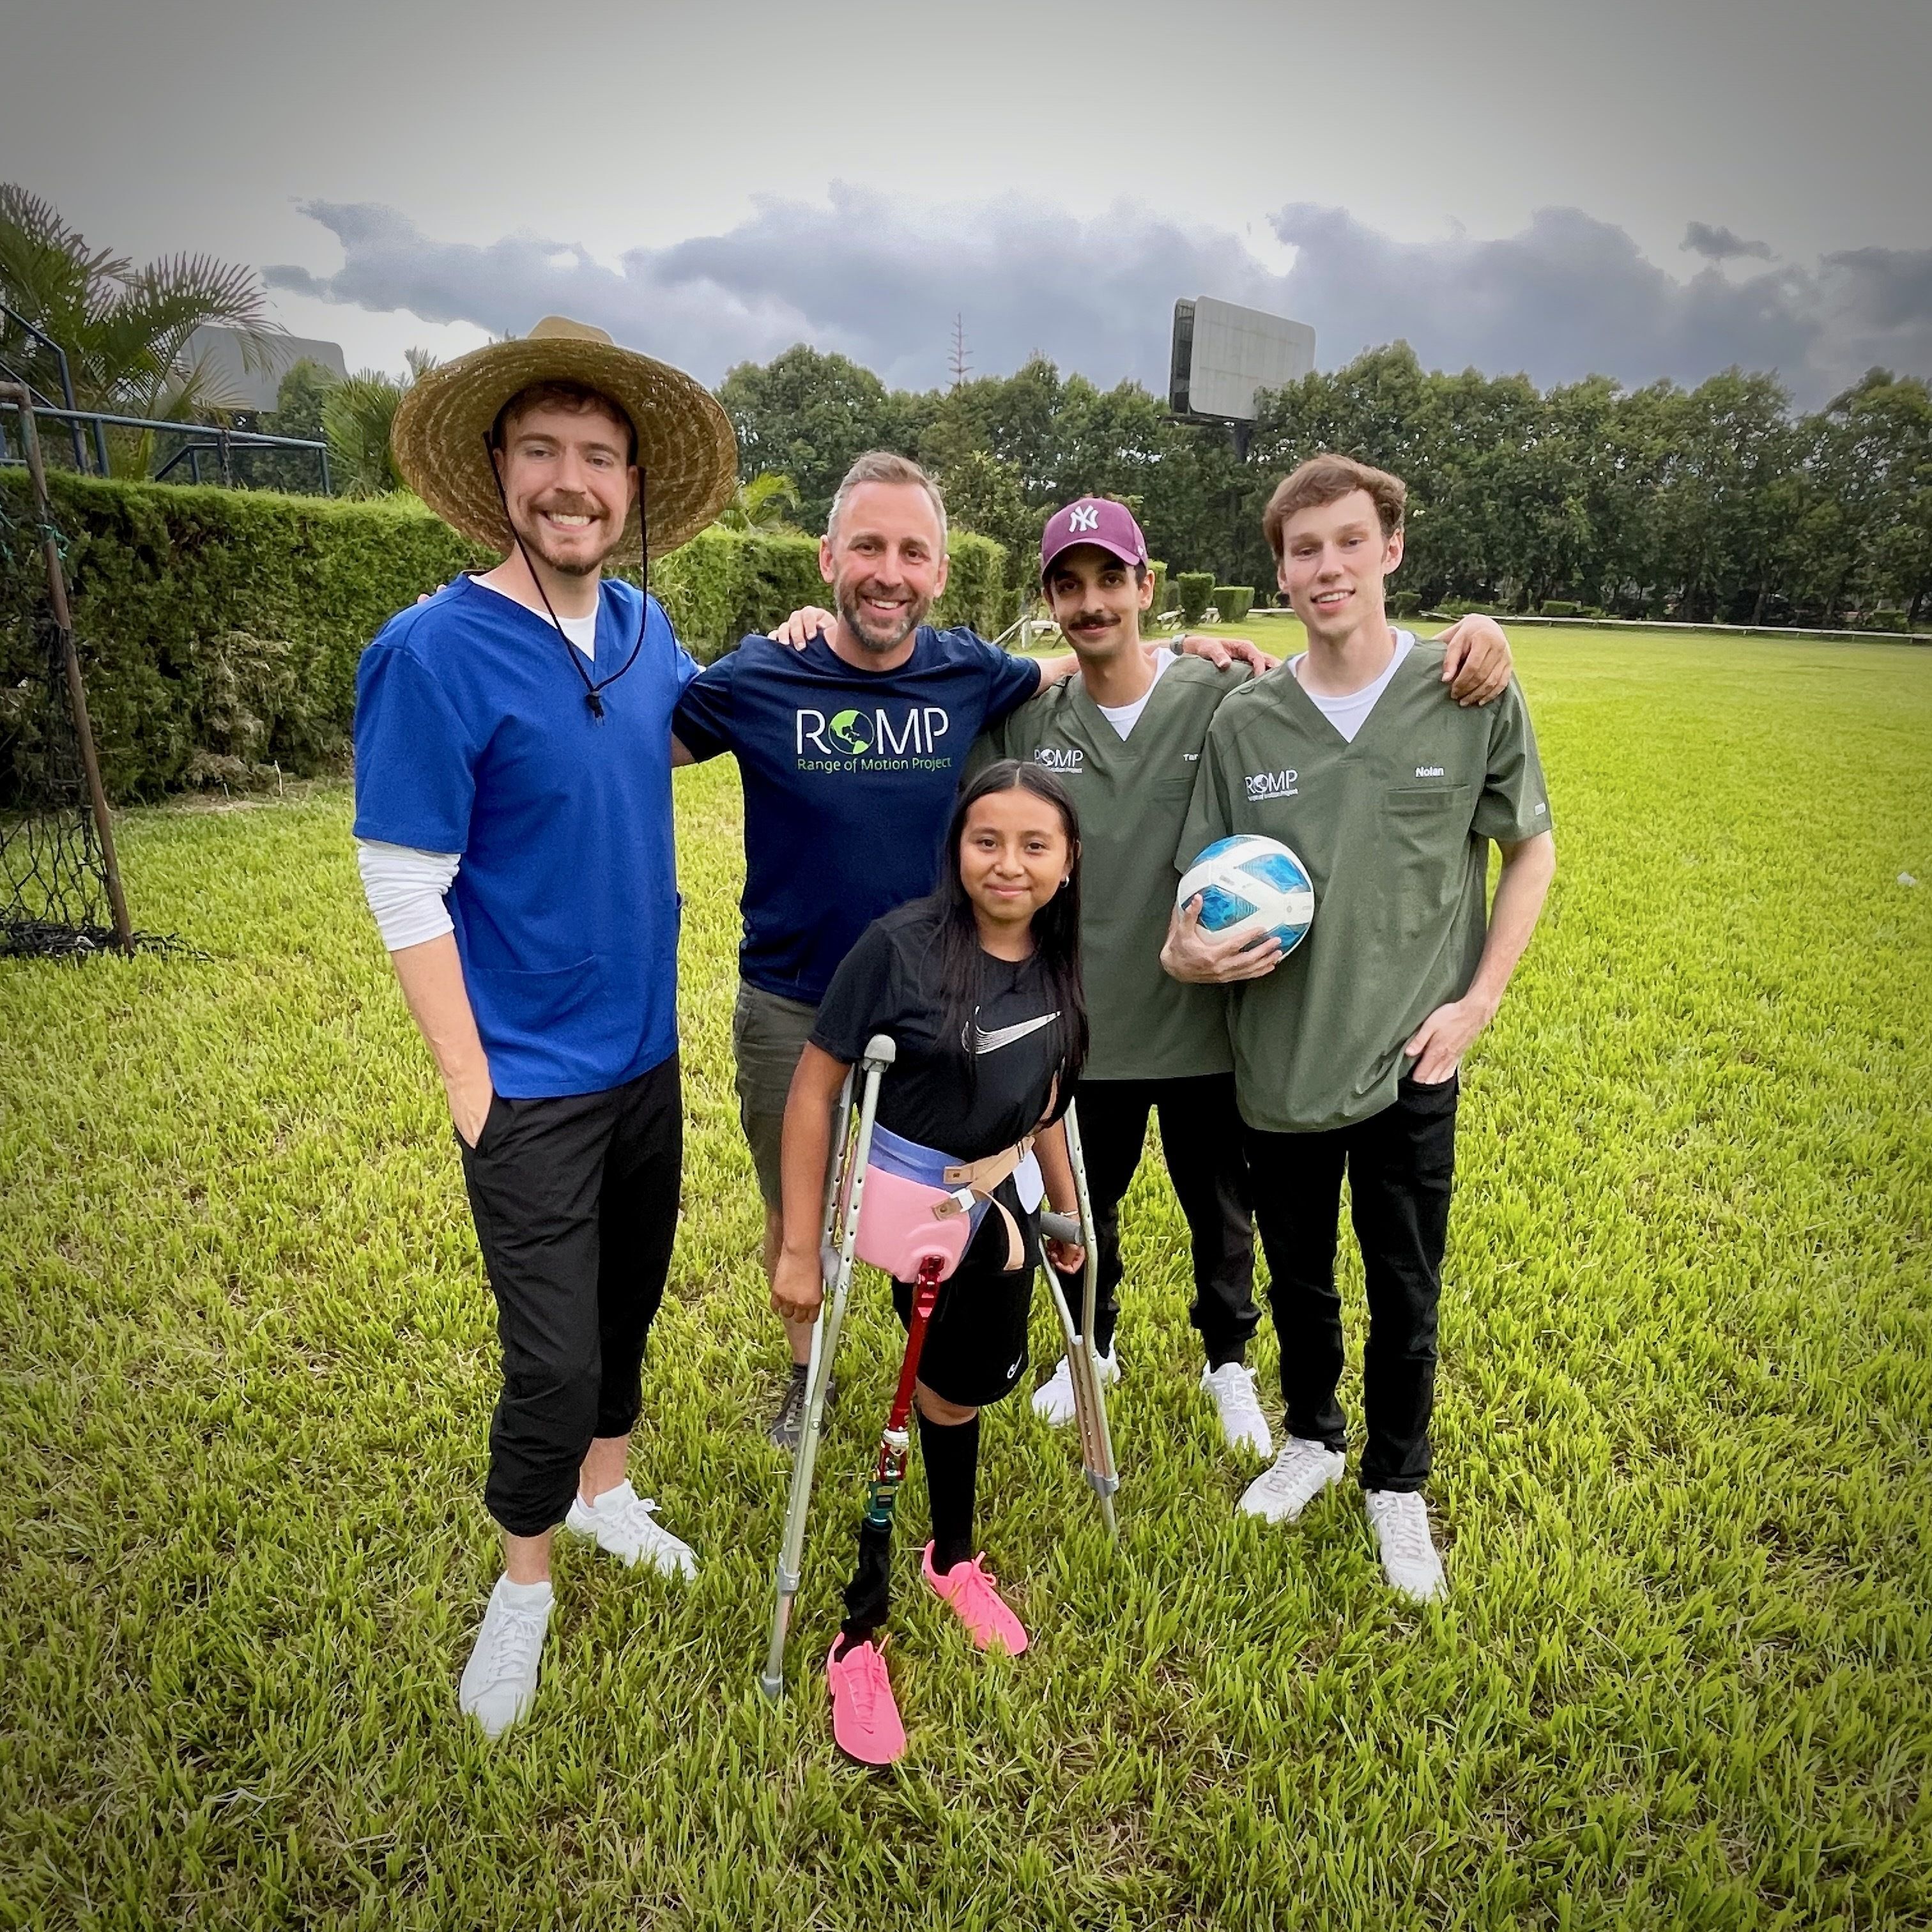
[[623, 1522], [1293, 1480], [1053, 1400], [1232, 1386], [500, 1679], [1399, 1519]]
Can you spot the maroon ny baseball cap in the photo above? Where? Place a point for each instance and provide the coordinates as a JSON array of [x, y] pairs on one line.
[[1093, 520]]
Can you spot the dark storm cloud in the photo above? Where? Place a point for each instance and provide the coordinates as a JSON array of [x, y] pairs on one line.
[[852, 274], [1721, 244], [1568, 295]]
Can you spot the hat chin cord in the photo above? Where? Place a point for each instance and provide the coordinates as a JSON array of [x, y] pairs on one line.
[[593, 688]]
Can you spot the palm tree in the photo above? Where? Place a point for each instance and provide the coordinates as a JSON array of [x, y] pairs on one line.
[[766, 504], [126, 330], [358, 414]]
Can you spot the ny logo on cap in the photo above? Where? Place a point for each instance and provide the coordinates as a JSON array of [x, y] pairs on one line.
[[1083, 516]]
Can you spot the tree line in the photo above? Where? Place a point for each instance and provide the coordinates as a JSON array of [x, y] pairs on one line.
[[1722, 503]]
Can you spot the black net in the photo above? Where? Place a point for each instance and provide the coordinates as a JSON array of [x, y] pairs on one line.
[[53, 884]]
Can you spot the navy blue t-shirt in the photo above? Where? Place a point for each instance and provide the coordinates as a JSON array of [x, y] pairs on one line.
[[473, 736], [850, 777]]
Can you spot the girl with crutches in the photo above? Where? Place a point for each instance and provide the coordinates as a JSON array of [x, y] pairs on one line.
[[978, 987]]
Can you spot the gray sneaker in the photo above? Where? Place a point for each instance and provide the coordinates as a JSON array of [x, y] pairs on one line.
[[786, 1428], [499, 1681], [1232, 1386], [1399, 1519], [1293, 1480]]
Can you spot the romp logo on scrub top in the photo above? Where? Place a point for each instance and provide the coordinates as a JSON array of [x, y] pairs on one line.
[[887, 738]]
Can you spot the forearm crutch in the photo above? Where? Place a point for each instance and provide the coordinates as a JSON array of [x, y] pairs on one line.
[[845, 1183], [1090, 1400]]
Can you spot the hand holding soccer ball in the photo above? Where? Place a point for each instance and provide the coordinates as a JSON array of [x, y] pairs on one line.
[[1244, 904]]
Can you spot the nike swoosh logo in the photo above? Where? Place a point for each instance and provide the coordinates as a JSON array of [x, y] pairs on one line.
[[984, 1041]]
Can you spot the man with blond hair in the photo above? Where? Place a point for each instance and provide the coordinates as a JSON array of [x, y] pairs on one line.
[[1346, 1052]]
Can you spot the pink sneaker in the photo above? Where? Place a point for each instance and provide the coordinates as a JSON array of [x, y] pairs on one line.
[[864, 1717], [971, 1591]]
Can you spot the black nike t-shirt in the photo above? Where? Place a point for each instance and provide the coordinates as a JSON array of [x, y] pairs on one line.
[[888, 983]]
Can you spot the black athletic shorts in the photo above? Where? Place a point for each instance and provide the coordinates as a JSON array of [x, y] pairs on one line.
[[975, 1343]]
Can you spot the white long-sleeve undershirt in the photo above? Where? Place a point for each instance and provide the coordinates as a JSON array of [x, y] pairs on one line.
[[405, 887]]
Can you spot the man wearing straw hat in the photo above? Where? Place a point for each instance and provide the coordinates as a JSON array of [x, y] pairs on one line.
[[513, 816]]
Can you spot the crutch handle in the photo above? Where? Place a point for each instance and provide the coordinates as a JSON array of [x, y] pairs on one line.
[[1061, 1228]]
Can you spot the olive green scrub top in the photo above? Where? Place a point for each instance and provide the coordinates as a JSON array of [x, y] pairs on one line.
[[1394, 828], [1132, 795]]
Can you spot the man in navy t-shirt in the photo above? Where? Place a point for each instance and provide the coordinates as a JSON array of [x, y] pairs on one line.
[[851, 751], [513, 819]]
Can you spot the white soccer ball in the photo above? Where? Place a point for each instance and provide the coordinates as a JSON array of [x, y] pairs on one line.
[[1253, 886]]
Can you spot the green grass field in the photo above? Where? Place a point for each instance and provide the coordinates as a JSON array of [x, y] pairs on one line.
[[1684, 1675]]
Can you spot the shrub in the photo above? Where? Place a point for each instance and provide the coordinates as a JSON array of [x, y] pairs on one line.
[[1404, 603], [1195, 587], [1885, 620], [1233, 602], [1559, 607], [725, 584], [976, 587], [1160, 586], [219, 629]]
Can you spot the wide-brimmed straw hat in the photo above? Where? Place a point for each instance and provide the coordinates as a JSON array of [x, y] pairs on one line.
[[685, 449]]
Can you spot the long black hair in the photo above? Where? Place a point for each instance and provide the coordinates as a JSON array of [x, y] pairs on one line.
[[1056, 925]]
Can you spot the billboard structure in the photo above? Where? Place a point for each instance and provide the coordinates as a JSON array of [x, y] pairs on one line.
[[1223, 353]]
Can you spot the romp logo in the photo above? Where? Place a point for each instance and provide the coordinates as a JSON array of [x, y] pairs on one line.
[[1261, 785], [847, 730], [1060, 758], [912, 730]]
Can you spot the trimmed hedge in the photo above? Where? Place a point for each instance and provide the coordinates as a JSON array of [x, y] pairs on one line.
[[1560, 606], [725, 584], [1404, 603], [1194, 588], [219, 629], [1233, 602], [1160, 570], [976, 585]]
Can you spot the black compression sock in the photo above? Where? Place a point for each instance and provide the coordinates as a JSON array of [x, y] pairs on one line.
[[951, 1453]]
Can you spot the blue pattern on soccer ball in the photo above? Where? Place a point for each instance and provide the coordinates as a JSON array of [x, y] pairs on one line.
[[1220, 908], [1250, 879]]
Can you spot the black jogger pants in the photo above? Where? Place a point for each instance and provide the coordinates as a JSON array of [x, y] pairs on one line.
[[1400, 1164], [575, 1203], [1202, 1138]]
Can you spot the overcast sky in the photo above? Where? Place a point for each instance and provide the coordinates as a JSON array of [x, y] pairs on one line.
[[1657, 188]]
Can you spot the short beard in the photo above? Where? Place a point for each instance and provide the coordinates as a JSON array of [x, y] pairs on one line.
[[577, 566], [869, 640]]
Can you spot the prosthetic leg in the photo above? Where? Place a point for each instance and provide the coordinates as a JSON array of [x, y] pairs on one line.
[[844, 1188], [1089, 1401], [872, 1577]]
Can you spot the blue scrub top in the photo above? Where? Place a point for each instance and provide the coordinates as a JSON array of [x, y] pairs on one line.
[[472, 736]]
